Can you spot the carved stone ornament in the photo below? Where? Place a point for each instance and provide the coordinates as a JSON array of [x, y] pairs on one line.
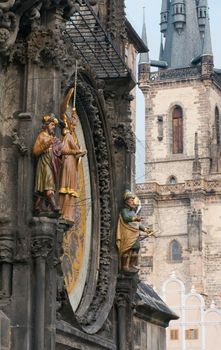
[[123, 137], [9, 24], [19, 142], [43, 236], [116, 23], [13, 13], [100, 288], [6, 252], [45, 48], [41, 247]]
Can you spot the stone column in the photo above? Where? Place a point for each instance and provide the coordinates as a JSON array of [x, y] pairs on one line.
[[121, 311], [42, 245], [7, 245], [125, 296]]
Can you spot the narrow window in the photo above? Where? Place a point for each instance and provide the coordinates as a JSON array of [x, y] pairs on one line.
[[175, 251], [172, 180], [174, 334], [177, 129], [217, 125], [192, 334]]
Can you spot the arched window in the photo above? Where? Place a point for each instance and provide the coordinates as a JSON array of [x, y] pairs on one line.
[[175, 251], [217, 125], [172, 180], [177, 130]]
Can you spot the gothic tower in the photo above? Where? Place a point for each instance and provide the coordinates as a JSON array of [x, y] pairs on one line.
[[181, 195]]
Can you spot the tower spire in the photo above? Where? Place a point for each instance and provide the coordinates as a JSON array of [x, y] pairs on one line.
[[161, 49], [202, 13], [164, 16], [183, 40], [144, 57], [207, 42]]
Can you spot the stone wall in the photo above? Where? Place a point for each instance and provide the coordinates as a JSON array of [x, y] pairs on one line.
[[148, 337], [198, 100], [187, 215]]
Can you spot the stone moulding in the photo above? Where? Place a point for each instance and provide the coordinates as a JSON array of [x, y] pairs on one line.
[[99, 291], [171, 74], [182, 188]]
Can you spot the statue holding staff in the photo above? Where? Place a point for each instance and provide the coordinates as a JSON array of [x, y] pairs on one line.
[[128, 233], [71, 155]]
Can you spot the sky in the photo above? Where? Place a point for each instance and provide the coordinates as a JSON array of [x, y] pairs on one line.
[[134, 12]]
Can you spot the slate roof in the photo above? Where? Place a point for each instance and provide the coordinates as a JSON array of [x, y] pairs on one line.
[[151, 307], [181, 47]]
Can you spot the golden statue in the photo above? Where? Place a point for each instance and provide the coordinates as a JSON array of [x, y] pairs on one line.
[[47, 148], [71, 154], [128, 233]]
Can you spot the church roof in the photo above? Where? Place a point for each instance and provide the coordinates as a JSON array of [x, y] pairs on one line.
[[185, 25], [207, 43], [144, 57]]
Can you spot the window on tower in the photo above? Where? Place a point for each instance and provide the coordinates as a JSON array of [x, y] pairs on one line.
[[172, 180], [175, 251], [177, 130], [217, 125]]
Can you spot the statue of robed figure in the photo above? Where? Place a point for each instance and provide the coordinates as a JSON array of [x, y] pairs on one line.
[[128, 233], [71, 156], [47, 149]]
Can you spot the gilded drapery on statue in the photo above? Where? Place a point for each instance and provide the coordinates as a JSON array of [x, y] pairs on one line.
[[47, 148], [71, 156], [128, 233], [57, 164]]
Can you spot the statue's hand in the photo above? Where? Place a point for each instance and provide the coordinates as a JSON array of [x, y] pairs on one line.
[[149, 231], [81, 153], [137, 218]]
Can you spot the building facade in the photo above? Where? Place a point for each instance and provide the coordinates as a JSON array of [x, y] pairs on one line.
[[181, 195]]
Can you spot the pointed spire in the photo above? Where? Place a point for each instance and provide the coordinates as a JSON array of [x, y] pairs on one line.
[[183, 41], [202, 13], [165, 6], [144, 57], [161, 49], [164, 16], [207, 42]]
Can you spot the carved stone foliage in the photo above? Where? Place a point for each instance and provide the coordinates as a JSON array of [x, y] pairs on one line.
[[45, 48], [7, 240], [103, 283], [123, 137], [43, 237], [116, 23], [41, 247], [25, 16], [19, 142], [9, 23]]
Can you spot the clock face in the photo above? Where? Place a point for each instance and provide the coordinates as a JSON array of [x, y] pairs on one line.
[[77, 240]]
